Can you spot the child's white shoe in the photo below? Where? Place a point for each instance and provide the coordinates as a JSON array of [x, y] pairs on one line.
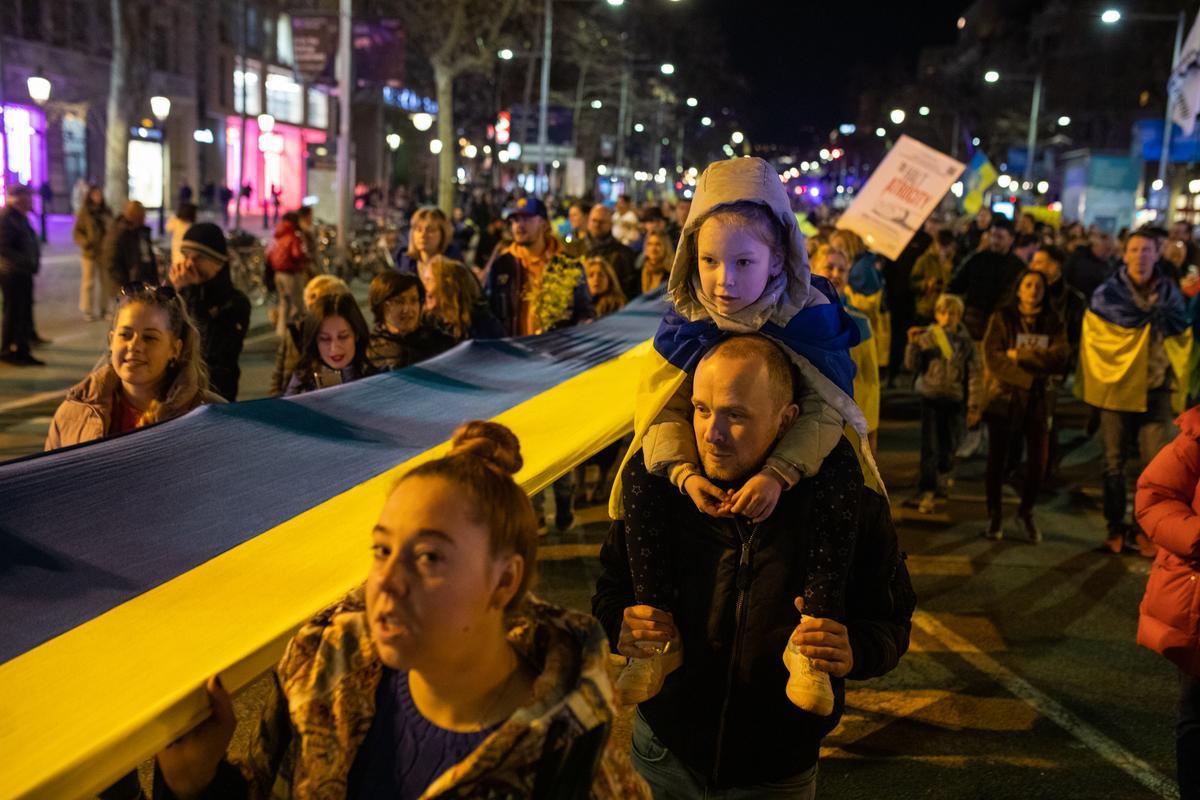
[[640, 679], [808, 687]]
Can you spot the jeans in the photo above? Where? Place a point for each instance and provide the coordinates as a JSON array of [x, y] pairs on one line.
[[1187, 738], [1149, 429], [564, 497], [939, 439], [670, 779], [289, 286]]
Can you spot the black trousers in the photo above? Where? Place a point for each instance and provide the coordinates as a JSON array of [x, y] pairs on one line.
[[18, 313], [1031, 422]]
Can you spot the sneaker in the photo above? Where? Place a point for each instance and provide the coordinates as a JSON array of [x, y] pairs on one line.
[[25, 360], [926, 504], [995, 530], [970, 443], [1032, 533], [640, 679], [1114, 543], [945, 484], [808, 687], [1145, 547]]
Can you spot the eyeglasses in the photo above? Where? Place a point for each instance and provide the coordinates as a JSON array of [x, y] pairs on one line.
[[140, 288]]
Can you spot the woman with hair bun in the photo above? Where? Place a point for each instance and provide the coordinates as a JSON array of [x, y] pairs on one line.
[[153, 371], [441, 676]]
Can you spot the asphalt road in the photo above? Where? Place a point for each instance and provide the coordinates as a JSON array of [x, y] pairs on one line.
[[1023, 679]]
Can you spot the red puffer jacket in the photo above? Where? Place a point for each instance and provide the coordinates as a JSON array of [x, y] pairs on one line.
[[1168, 510], [287, 253]]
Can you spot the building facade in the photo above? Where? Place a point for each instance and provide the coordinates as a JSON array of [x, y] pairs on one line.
[[195, 60]]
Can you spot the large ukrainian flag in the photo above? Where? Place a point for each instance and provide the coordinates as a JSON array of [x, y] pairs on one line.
[[1114, 349], [133, 569]]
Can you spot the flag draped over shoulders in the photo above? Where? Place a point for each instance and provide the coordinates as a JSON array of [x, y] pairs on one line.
[[822, 334], [1118, 331]]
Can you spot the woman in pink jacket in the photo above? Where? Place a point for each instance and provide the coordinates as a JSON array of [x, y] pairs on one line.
[[1168, 510]]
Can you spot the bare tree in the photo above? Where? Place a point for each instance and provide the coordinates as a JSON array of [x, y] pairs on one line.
[[457, 37], [129, 75]]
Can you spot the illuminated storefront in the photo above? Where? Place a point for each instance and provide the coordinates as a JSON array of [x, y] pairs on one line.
[[275, 157], [23, 154]]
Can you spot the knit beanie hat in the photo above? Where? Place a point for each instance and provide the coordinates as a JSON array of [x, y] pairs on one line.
[[207, 239]]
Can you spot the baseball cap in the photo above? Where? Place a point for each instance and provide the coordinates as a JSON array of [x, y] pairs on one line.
[[527, 207]]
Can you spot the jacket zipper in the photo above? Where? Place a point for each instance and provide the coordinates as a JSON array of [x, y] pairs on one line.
[[742, 581]]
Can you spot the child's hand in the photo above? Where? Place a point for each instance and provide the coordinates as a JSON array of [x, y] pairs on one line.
[[709, 498], [757, 497], [915, 333]]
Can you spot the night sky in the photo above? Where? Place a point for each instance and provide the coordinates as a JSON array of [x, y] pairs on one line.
[[794, 54]]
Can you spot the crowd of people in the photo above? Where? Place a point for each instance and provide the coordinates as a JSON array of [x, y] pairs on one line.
[[752, 464], [994, 320]]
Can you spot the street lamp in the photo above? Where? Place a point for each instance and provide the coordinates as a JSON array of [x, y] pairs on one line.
[[161, 108], [1064, 121], [639, 128], [667, 69], [1112, 16], [1035, 104], [39, 88], [880, 132], [422, 121], [505, 54], [435, 146], [692, 102], [706, 122], [393, 141], [737, 137], [923, 111], [596, 104], [897, 116]]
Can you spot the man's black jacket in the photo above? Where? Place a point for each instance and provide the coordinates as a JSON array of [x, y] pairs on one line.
[[724, 712], [222, 315]]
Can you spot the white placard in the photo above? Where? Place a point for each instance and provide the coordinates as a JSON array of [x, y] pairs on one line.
[[899, 195]]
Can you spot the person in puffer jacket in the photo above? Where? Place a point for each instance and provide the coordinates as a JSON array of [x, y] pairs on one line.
[[440, 677], [945, 360], [1167, 507]]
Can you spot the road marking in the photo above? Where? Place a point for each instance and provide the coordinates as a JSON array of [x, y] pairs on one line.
[[32, 400], [1099, 743], [940, 566], [566, 552]]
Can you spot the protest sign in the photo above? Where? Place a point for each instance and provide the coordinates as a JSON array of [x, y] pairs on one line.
[[901, 193]]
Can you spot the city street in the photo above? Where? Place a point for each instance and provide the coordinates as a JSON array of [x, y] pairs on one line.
[[1022, 681]]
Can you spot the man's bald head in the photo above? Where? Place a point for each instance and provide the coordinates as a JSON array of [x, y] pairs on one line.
[[600, 221], [742, 398], [781, 374]]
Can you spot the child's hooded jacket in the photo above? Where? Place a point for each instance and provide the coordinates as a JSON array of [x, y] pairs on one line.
[[799, 311]]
